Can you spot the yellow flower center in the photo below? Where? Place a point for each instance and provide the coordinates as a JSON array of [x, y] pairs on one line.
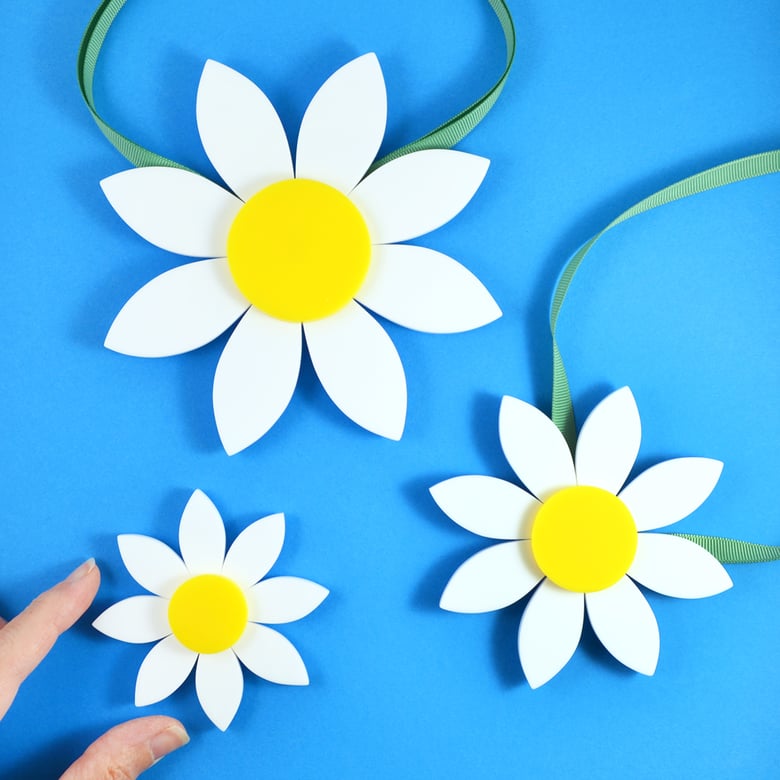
[[299, 250], [208, 613], [584, 539]]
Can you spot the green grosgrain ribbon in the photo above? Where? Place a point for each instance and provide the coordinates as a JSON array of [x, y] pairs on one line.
[[725, 550], [734, 550], [445, 135]]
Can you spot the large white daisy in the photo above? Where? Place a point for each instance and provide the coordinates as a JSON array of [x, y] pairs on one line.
[[208, 610], [298, 251], [581, 534]]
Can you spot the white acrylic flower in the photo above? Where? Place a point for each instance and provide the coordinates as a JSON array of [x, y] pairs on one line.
[[580, 533], [299, 251], [208, 610]]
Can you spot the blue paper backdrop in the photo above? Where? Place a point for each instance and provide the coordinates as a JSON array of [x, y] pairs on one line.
[[608, 102]]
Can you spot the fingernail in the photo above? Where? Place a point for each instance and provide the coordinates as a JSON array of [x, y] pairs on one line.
[[82, 571], [167, 741]]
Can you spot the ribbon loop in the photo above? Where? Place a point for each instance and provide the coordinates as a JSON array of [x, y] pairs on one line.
[[725, 550], [727, 173], [445, 135]]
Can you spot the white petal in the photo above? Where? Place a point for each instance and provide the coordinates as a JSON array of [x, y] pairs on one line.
[[138, 619], [202, 536], [343, 126], [241, 132], [487, 506], [360, 369], [677, 567], [550, 631], [670, 491], [425, 290], [625, 625], [269, 655], [178, 311], [284, 599], [174, 209], [417, 193], [219, 683], [255, 378], [535, 448], [152, 564], [166, 666], [608, 442], [255, 551], [492, 579]]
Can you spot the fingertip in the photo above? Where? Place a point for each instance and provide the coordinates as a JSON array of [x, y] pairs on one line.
[[84, 580], [169, 739], [130, 748], [82, 571]]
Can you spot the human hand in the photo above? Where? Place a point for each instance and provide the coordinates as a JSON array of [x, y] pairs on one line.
[[126, 750]]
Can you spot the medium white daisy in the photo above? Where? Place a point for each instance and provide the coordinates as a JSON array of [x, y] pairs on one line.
[[581, 534], [299, 251], [207, 610]]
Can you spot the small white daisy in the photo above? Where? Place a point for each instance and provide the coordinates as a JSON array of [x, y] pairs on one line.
[[299, 251], [207, 610], [581, 534]]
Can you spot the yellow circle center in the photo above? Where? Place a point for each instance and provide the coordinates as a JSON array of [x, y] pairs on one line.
[[584, 539], [208, 613], [299, 250]]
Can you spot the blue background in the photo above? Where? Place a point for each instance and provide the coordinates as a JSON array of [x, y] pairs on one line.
[[608, 102]]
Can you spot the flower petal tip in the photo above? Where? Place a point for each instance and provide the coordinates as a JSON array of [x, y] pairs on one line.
[[223, 722], [277, 520], [113, 341], [650, 670], [437, 491], [447, 601], [726, 583], [395, 435], [212, 64], [232, 448], [214, 69], [234, 439], [535, 681], [105, 183], [143, 700], [480, 167], [391, 427], [495, 312], [369, 57]]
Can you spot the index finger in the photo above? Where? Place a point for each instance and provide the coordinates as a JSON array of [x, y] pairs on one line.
[[25, 640]]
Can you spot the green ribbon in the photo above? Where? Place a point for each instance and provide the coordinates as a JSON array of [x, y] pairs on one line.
[[445, 135], [725, 550], [720, 175], [733, 550]]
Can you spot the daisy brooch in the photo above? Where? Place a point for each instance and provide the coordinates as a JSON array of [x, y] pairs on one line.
[[581, 536], [209, 610], [299, 251]]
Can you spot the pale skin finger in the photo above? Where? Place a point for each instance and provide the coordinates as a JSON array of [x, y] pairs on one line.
[[126, 750], [25, 640], [129, 749]]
